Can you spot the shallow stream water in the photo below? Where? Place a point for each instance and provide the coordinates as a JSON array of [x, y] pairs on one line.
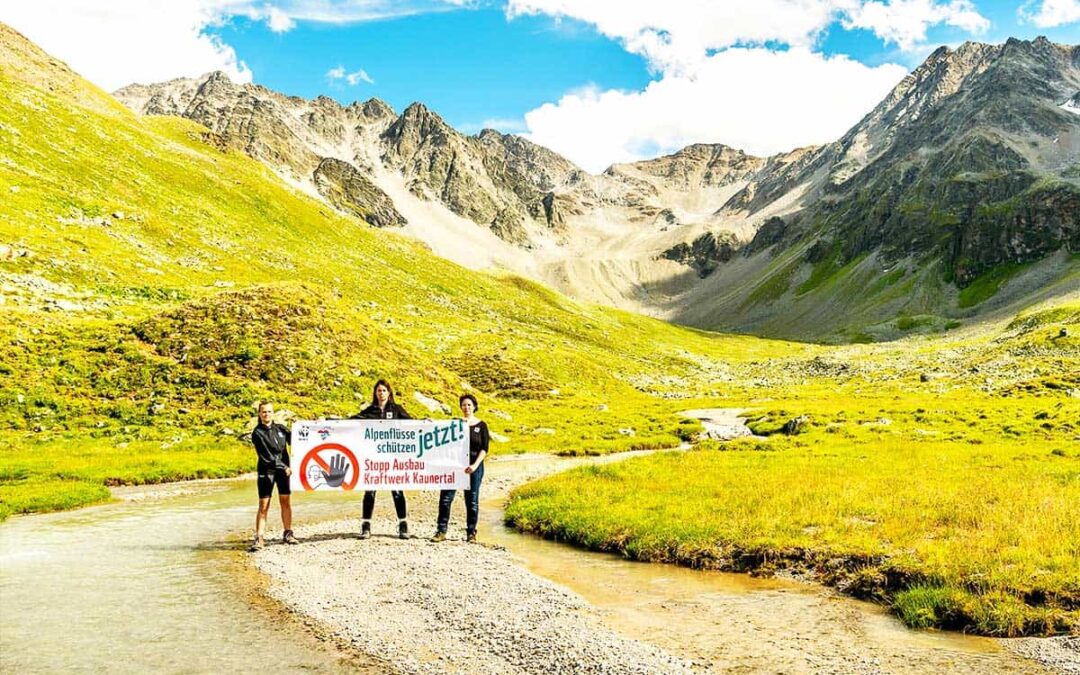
[[157, 582]]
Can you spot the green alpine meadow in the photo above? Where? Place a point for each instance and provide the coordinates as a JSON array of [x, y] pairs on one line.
[[905, 353]]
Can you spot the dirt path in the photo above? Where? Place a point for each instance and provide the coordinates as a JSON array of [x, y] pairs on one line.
[[460, 608]]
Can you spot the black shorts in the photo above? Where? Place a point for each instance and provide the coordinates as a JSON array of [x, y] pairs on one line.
[[268, 480]]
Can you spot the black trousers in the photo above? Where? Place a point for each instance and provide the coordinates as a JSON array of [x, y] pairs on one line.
[[399, 504], [472, 503]]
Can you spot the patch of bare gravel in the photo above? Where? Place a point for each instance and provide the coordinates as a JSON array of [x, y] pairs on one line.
[[1059, 654], [446, 608]]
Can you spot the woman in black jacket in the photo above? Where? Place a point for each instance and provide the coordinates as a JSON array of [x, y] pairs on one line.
[[478, 449], [383, 407]]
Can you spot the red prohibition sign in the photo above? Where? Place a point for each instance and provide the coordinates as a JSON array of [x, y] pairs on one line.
[[313, 456]]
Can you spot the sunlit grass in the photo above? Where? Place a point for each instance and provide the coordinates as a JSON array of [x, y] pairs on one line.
[[158, 287]]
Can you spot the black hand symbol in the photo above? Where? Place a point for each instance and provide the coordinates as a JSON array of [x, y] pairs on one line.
[[337, 471]]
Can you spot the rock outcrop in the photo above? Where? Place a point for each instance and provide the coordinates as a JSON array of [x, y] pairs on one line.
[[972, 161]]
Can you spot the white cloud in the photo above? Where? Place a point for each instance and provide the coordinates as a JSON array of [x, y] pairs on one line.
[[723, 75], [123, 41], [113, 43], [279, 21], [351, 11], [676, 35], [758, 100], [337, 74], [357, 77], [1051, 13], [904, 22]]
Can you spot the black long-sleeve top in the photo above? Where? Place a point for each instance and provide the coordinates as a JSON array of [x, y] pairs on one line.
[[392, 411], [271, 445], [479, 437]]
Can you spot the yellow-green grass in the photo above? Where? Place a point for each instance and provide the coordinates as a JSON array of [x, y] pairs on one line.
[[170, 285], [956, 507]]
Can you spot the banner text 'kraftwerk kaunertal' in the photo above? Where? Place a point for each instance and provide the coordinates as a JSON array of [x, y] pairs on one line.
[[380, 455]]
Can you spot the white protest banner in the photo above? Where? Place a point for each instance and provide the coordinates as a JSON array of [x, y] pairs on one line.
[[380, 455]]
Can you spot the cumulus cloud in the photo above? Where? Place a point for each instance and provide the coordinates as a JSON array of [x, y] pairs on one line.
[[118, 42], [755, 99], [338, 74], [904, 22], [676, 36], [1051, 13], [279, 21], [123, 41], [743, 73]]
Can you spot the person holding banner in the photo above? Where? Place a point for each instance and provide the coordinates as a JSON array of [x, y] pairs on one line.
[[478, 449], [383, 407], [271, 442]]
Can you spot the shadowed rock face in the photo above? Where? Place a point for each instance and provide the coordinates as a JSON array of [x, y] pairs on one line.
[[350, 190], [978, 148], [505, 183], [705, 253]]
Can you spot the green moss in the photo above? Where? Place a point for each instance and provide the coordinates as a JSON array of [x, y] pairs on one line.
[[986, 285], [773, 287]]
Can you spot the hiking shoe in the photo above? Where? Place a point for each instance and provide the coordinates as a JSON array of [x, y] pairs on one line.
[[289, 537], [256, 545], [403, 530], [470, 538], [439, 536], [365, 531]]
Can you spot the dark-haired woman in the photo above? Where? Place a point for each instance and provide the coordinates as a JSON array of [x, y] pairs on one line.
[[478, 449], [383, 407]]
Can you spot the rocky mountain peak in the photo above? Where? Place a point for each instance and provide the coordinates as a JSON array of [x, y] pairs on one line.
[[697, 165], [373, 109], [323, 101], [217, 77], [416, 124]]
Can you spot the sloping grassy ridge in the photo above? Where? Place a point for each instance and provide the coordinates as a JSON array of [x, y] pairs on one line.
[[155, 287]]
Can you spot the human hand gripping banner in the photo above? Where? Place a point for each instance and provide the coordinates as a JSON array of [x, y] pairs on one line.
[[380, 455]]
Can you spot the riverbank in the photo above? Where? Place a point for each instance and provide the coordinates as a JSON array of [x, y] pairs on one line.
[[970, 531], [383, 596], [450, 607]]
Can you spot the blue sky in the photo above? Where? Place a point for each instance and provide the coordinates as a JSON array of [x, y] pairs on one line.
[[600, 81], [471, 66], [475, 65]]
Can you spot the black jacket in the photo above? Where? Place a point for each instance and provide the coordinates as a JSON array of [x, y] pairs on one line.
[[392, 412], [271, 444], [479, 438]]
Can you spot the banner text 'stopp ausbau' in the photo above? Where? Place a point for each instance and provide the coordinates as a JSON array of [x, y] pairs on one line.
[[380, 454]]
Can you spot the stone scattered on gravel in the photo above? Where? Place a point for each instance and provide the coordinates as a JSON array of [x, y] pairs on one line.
[[450, 607], [1059, 654]]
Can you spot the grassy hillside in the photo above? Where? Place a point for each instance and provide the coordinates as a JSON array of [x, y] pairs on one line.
[[155, 287], [941, 477]]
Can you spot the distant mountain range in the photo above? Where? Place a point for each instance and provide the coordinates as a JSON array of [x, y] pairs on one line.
[[958, 194]]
